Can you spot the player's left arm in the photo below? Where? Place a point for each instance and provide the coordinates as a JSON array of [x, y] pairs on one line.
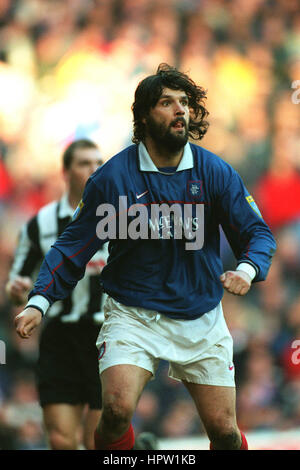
[[236, 282], [249, 237]]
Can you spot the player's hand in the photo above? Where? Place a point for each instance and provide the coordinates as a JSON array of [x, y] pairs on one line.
[[17, 289], [27, 321], [236, 282]]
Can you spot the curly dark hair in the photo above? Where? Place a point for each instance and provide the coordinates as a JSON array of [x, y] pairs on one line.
[[149, 91]]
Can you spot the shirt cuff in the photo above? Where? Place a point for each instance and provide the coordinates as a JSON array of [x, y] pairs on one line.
[[39, 302], [247, 268]]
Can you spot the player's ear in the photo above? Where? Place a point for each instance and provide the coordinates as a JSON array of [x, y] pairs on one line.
[[65, 174]]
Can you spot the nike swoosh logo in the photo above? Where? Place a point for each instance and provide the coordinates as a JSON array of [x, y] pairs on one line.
[[140, 195], [230, 368]]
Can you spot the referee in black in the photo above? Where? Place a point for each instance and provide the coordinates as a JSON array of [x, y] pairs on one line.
[[67, 371]]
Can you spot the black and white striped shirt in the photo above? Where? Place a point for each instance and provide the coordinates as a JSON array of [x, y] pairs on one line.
[[35, 240]]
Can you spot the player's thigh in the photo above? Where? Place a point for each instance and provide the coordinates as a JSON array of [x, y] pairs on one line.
[[62, 418], [122, 386], [216, 405]]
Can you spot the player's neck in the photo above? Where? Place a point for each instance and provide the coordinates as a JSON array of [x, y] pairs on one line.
[[161, 156], [73, 199]]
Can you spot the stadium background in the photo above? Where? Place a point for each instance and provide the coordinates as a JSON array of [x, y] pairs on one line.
[[69, 70]]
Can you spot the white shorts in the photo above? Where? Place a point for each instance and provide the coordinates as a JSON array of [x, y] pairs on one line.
[[198, 351]]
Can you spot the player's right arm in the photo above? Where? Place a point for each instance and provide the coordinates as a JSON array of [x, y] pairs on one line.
[[27, 321], [64, 264]]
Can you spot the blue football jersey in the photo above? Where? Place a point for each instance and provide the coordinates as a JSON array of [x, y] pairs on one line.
[[166, 261]]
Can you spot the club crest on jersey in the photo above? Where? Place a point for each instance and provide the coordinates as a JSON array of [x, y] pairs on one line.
[[253, 205], [102, 351], [194, 189], [78, 210]]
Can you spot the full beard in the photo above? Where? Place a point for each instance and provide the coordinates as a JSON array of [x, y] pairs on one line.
[[165, 138]]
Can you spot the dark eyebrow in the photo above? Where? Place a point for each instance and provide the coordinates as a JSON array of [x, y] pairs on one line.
[[170, 96], [83, 161]]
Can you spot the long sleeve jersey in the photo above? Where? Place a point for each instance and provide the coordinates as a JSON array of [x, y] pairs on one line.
[[154, 262], [35, 239]]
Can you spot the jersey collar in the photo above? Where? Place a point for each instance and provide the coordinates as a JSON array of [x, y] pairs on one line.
[[65, 210], [146, 164]]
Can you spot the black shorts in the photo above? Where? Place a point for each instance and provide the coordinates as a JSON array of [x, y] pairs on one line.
[[67, 368]]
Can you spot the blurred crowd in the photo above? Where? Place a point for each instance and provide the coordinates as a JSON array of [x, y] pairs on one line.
[[69, 70]]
